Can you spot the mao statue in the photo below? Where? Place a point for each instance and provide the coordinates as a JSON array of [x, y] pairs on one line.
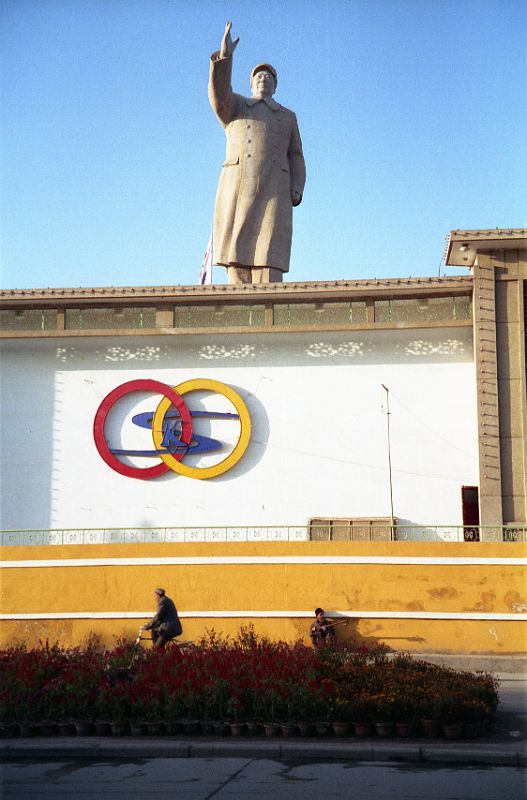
[[262, 177]]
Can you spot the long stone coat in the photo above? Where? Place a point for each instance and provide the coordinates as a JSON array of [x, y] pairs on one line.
[[264, 163]]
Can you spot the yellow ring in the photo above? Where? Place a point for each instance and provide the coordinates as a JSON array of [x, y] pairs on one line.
[[232, 458]]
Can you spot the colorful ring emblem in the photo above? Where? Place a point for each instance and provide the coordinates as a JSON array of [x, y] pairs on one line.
[[172, 430]]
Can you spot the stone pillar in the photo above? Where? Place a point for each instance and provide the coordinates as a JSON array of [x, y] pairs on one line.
[[485, 359], [511, 282]]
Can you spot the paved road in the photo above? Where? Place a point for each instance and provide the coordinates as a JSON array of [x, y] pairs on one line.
[[224, 778]]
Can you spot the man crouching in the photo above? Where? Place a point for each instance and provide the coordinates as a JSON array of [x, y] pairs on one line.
[[321, 630]]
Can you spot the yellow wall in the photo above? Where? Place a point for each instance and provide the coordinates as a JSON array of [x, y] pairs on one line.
[[473, 589]]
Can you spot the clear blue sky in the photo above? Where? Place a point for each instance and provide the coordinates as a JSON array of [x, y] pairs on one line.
[[412, 114]]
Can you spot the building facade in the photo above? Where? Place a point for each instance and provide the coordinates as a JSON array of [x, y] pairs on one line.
[[497, 260], [368, 454]]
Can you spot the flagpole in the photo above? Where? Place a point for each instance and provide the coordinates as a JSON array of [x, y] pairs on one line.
[[205, 273], [389, 457]]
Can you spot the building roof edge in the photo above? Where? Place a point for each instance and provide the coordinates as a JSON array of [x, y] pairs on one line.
[[231, 292]]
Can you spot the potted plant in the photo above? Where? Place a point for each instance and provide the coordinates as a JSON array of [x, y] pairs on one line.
[[102, 721], [340, 716], [172, 713], [152, 705], [473, 714], [115, 703], [306, 705], [405, 711], [428, 712], [271, 705], [190, 723], [237, 726], [451, 715], [383, 714], [298, 705], [22, 717], [360, 714]]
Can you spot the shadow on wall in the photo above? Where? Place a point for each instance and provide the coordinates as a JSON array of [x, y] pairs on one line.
[[260, 427], [27, 396], [347, 633]]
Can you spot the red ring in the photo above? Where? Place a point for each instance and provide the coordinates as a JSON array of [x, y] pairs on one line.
[[141, 385]]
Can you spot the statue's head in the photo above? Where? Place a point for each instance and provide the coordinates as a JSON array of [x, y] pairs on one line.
[[263, 80]]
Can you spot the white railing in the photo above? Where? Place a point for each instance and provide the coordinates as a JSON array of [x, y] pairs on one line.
[[281, 533], [270, 533]]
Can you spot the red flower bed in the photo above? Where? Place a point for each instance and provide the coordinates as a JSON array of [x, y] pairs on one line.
[[248, 678]]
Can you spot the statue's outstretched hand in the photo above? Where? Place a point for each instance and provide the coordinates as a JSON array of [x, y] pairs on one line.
[[227, 45], [296, 198]]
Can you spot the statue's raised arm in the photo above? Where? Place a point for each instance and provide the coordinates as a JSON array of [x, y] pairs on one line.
[[227, 45], [263, 174]]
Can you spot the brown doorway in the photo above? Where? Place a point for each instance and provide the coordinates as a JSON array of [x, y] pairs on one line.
[[470, 507]]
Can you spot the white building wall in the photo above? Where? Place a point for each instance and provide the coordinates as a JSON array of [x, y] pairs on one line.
[[318, 446]]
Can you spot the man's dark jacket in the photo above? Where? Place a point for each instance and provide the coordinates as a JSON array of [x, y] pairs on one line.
[[166, 619]]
